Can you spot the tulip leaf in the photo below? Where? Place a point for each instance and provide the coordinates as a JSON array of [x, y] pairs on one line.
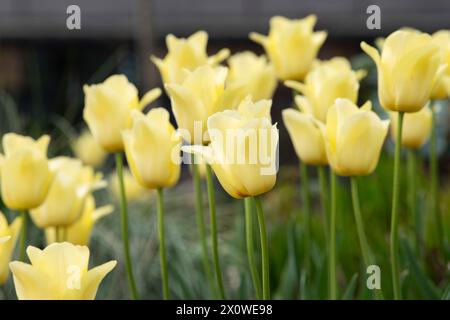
[[446, 295], [351, 288]]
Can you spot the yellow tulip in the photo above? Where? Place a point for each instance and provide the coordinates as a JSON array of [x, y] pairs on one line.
[[72, 183], [416, 127], [243, 149], [187, 54], [152, 148], [353, 138], [200, 95], [327, 81], [88, 150], [59, 272], [252, 74], [25, 174], [8, 238], [306, 137], [291, 45], [133, 190], [80, 231], [441, 89], [108, 106], [409, 65]]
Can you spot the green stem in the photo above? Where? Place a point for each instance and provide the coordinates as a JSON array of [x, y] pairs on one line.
[[306, 211], [332, 241], [124, 222], [214, 240], [162, 245], [323, 197], [250, 251], [395, 205], [412, 197], [200, 217], [23, 236], [264, 250]]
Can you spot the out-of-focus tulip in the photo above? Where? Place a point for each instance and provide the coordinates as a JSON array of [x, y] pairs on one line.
[[152, 147], [187, 54], [25, 174], [200, 95], [409, 65], [80, 231], [108, 106], [441, 89], [71, 185], [59, 272], [88, 150], [243, 149], [306, 136], [327, 81], [133, 190], [8, 238], [416, 127], [291, 45], [252, 74], [353, 138]]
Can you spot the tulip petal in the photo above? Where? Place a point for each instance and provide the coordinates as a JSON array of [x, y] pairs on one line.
[[93, 277], [149, 97]]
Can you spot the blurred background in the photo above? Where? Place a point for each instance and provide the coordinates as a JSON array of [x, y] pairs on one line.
[[43, 67]]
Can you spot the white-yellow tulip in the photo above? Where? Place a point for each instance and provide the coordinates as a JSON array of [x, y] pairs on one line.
[[441, 89], [8, 239], [88, 150]]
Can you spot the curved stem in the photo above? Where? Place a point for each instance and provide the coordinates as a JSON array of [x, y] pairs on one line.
[[264, 250], [323, 197], [412, 197], [124, 223], [214, 240], [23, 236], [162, 245], [250, 251], [394, 215], [332, 241], [307, 214], [200, 217]]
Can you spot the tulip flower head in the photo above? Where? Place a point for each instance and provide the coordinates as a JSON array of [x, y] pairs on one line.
[[292, 45], [71, 185], [441, 89], [88, 150], [152, 148], [25, 173], [59, 272], [186, 54], [80, 231], [326, 82], [416, 127], [353, 138], [8, 239], [408, 68], [108, 106], [243, 149]]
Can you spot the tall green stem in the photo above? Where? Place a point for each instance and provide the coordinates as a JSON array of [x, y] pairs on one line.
[[323, 197], [23, 236], [332, 241], [249, 205], [214, 240], [200, 217], [162, 245], [394, 215], [307, 214], [124, 223], [412, 198], [264, 250]]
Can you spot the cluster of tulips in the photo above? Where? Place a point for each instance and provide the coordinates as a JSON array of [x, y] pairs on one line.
[[220, 112]]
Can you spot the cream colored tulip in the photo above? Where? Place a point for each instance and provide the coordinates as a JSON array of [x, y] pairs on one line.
[[72, 183], [441, 89], [80, 231], [25, 174], [353, 138], [327, 81], [59, 272], [416, 127], [8, 239], [306, 136], [243, 149], [152, 147], [409, 65], [108, 106], [88, 150], [187, 54], [291, 45], [133, 190]]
